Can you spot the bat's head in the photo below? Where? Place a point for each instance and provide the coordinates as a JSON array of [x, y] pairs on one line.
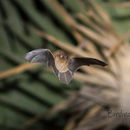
[[61, 56], [61, 61]]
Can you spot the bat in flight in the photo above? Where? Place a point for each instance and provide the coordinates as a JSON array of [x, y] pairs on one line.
[[63, 66]]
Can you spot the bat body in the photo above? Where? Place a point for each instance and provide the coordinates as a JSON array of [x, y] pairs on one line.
[[63, 66]]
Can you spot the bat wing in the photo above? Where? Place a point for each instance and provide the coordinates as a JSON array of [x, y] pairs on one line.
[[43, 56], [75, 63]]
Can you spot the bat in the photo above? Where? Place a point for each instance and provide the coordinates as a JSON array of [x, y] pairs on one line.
[[63, 66]]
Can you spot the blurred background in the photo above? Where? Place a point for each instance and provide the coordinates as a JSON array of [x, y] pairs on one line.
[[31, 97]]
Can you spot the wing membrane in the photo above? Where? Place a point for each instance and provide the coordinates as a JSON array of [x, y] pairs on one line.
[[75, 63], [43, 56]]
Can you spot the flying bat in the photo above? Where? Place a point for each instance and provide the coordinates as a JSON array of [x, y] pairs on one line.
[[63, 66]]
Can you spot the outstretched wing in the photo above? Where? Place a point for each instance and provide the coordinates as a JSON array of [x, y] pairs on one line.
[[43, 56], [75, 63]]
